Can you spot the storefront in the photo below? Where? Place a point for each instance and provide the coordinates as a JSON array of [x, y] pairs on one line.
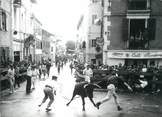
[[4, 56], [16, 56], [135, 57]]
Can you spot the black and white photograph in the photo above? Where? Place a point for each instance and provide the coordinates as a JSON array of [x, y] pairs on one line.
[[80, 58]]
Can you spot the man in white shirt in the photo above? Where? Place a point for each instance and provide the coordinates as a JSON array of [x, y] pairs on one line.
[[88, 73], [49, 91]]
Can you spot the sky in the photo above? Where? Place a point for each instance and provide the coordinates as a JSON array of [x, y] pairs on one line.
[[60, 17]]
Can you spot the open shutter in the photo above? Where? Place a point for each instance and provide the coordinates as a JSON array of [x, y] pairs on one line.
[[151, 29], [90, 43], [0, 19], [125, 29]]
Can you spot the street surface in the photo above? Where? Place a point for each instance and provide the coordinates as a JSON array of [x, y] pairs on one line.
[[21, 104]]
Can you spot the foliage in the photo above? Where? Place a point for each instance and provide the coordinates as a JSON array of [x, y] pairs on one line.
[[70, 46]]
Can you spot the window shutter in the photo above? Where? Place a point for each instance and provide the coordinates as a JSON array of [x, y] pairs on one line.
[[151, 28], [84, 44], [90, 43], [125, 29], [0, 19]]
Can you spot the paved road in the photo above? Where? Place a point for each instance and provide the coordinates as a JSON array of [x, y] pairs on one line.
[[22, 105]]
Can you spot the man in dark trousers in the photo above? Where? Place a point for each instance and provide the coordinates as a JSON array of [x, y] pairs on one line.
[[28, 79], [48, 66]]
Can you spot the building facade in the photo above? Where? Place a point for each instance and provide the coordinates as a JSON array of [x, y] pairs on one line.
[[132, 32], [94, 52], [46, 44], [81, 39], [23, 30], [37, 32], [6, 52]]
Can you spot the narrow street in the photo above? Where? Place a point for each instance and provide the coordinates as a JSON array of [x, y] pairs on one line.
[[20, 104]]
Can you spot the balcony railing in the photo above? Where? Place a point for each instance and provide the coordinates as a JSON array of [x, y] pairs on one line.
[[138, 5]]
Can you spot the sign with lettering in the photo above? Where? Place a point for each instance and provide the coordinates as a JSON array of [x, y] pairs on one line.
[[135, 54]]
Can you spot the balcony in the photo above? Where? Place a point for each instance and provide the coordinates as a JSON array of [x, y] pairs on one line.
[[138, 8]]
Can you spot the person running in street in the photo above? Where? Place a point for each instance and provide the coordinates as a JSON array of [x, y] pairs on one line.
[[49, 92], [113, 81], [48, 66]]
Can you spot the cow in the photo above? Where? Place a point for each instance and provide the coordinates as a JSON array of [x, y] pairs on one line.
[[84, 89]]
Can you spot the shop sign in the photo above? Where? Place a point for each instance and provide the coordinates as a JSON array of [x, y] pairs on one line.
[[134, 55]]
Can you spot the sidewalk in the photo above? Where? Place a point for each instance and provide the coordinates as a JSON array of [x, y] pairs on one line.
[[6, 92]]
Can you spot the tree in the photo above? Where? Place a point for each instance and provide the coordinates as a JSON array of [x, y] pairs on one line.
[[70, 46]]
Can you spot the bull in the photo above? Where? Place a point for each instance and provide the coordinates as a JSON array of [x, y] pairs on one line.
[[84, 89]]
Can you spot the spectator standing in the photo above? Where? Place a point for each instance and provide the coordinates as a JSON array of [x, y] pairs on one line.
[[28, 79], [88, 73], [71, 67], [17, 76], [34, 74], [11, 78]]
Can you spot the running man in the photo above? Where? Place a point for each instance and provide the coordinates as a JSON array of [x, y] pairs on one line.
[[112, 81], [49, 92]]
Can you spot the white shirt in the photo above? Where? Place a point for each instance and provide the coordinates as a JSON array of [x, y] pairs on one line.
[[88, 74], [53, 84], [11, 73]]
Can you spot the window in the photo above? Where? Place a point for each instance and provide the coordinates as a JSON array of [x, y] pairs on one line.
[[94, 1], [107, 33], [94, 17], [109, 4], [137, 4], [3, 21], [108, 18], [93, 42], [51, 49]]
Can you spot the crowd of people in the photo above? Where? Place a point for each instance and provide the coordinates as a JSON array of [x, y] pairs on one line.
[[133, 78], [141, 78], [21, 71]]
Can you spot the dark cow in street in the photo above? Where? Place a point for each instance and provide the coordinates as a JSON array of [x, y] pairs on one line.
[[84, 89]]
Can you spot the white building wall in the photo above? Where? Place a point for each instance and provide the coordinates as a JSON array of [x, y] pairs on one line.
[[22, 23]]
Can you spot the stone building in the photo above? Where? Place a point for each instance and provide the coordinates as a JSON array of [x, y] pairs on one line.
[[6, 52], [132, 32]]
